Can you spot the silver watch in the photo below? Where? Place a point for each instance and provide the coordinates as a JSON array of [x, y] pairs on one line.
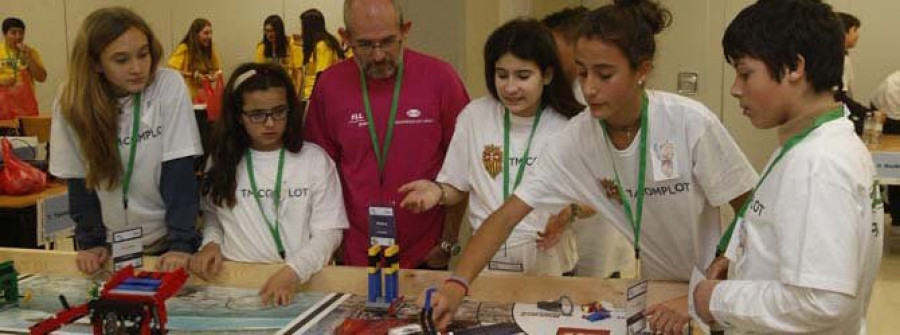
[[451, 248]]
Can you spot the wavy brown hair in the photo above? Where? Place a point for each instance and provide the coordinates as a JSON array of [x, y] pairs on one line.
[[89, 102], [200, 57], [230, 140]]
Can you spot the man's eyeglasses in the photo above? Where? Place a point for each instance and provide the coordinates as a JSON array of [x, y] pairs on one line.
[[366, 47], [260, 115]]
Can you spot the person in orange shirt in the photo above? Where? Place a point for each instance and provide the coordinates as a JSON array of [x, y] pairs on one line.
[[195, 56]]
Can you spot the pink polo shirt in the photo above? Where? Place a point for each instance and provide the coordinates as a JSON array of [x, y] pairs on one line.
[[431, 97]]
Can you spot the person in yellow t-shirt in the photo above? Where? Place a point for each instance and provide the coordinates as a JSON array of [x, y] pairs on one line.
[[278, 48], [16, 56], [320, 48], [195, 56]]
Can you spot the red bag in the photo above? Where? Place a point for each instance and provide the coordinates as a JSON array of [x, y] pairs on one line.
[[211, 94], [17, 177], [19, 99]]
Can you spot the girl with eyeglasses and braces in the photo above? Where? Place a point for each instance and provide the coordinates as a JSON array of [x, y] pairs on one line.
[[269, 196]]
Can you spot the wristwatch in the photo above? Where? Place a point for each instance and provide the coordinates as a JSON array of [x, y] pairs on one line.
[[451, 248]]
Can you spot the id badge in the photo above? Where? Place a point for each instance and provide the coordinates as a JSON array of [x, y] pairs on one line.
[[506, 263], [128, 248], [382, 226], [636, 303]]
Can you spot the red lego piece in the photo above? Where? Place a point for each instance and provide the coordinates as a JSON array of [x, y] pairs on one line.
[[137, 310]]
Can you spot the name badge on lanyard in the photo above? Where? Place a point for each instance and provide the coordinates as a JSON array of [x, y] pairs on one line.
[[382, 225], [128, 248], [505, 262]]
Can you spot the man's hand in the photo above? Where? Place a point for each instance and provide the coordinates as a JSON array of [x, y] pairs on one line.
[[91, 260], [207, 263], [173, 260], [669, 317], [421, 195], [437, 258], [279, 289]]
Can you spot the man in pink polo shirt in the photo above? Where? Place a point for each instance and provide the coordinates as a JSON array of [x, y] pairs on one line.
[[428, 96]]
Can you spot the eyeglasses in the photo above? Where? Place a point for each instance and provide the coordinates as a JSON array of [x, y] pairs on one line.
[[260, 115], [366, 47]]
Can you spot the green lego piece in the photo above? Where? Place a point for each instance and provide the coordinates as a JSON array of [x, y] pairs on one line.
[[9, 284]]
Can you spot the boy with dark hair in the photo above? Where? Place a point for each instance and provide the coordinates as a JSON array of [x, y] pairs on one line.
[[806, 246], [18, 58]]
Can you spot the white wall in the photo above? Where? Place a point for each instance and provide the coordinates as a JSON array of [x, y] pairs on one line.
[[456, 30], [51, 26], [876, 53]]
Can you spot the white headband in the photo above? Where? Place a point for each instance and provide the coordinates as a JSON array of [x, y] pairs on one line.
[[243, 77]]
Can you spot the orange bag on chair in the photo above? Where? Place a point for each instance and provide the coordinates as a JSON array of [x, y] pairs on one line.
[[17, 177], [212, 95], [19, 99]]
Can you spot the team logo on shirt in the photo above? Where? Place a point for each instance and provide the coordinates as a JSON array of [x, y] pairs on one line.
[[358, 119], [413, 113], [665, 155], [492, 158], [611, 189]]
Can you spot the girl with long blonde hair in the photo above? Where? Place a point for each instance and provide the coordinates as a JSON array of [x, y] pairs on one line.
[[195, 56], [124, 138]]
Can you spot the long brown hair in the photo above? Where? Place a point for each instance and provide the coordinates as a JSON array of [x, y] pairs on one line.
[[230, 139], [312, 23], [88, 101], [200, 57]]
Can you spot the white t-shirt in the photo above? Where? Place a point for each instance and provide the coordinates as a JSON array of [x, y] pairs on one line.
[[474, 163], [694, 166], [168, 131], [311, 205], [602, 250], [887, 96], [811, 224], [474, 160]]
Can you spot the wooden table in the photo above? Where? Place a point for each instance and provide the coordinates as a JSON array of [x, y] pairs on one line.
[[889, 143], [886, 156], [18, 217], [354, 280], [23, 201]]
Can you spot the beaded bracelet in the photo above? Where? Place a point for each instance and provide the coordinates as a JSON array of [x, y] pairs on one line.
[[462, 282]]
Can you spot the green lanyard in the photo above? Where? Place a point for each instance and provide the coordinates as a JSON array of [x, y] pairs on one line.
[[635, 216], [15, 61], [276, 197], [135, 129], [788, 145], [524, 160], [381, 155]]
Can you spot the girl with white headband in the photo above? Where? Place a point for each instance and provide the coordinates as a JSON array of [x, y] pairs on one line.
[[269, 196]]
